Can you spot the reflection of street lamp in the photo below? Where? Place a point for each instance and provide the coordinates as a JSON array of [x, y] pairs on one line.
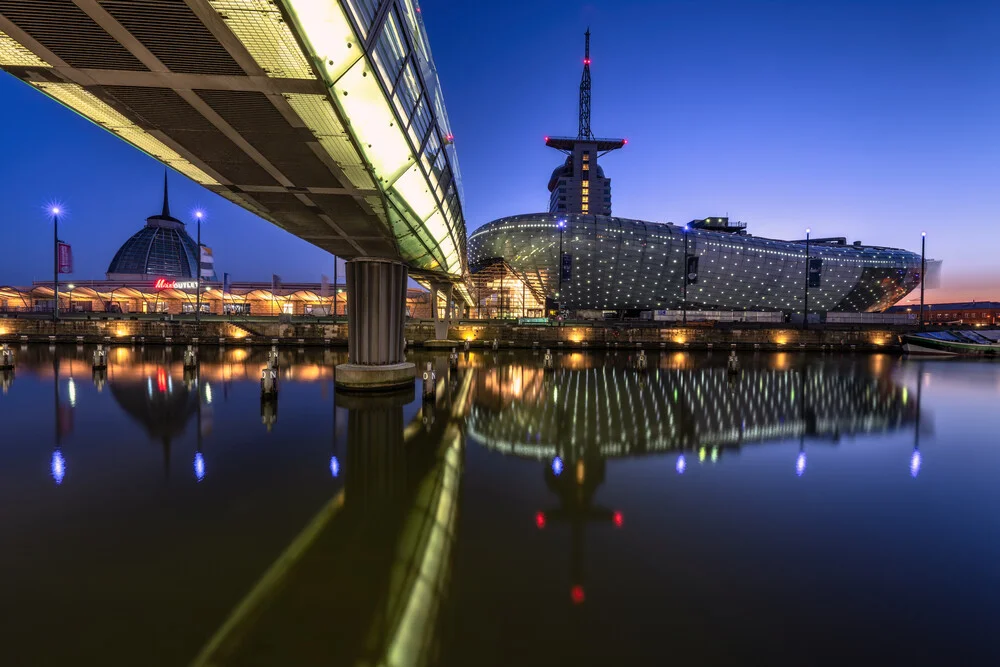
[[197, 312], [71, 286]]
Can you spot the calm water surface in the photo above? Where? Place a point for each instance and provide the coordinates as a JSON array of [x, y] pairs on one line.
[[814, 510]]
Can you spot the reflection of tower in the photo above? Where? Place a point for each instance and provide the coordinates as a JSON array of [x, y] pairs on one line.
[[160, 406], [576, 485]]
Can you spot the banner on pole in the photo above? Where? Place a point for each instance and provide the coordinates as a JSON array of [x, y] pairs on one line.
[[815, 271], [692, 270], [567, 266], [65, 253]]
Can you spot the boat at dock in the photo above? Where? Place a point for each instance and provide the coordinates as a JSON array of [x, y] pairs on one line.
[[985, 343]]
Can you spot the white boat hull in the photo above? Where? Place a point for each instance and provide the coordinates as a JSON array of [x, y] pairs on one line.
[[912, 348]]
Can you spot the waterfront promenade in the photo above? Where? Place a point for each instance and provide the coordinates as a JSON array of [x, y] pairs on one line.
[[156, 330]]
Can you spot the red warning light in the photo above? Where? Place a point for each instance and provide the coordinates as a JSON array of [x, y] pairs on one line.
[[618, 519], [546, 140], [576, 594], [540, 520], [624, 141], [586, 61], [450, 137]]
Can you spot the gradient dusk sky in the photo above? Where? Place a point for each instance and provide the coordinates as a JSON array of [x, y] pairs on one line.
[[869, 119]]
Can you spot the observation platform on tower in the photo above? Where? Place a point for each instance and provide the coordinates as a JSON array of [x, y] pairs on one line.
[[568, 143]]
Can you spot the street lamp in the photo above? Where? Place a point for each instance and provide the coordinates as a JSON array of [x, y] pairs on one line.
[[805, 308], [923, 276], [562, 226], [687, 277], [71, 286], [55, 210], [197, 311]]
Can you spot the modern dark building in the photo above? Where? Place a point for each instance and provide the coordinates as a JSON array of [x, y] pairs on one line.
[[621, 264], [580, 256]]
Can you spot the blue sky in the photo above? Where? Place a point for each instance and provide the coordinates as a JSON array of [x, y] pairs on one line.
[[875, 120]]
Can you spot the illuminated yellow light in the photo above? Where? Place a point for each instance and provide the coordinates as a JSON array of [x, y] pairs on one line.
[[373, 122], [438, 230], [259, 25], [780, 340], [328, 35], [317, 113], [91, 107], [680, 340], [413, 188], [13, 53]]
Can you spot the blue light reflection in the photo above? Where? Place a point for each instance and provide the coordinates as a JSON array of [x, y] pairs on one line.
[[58, 466], [199, 466], [557, 466]]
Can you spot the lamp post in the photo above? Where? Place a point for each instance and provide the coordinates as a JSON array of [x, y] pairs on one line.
[[71, 287], [55, 262], [197, 309], [562, 226], [923, 272], [805, 305], [684, 297]]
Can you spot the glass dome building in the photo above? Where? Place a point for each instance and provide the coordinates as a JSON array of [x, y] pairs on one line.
[[161, 249], [614, 263]]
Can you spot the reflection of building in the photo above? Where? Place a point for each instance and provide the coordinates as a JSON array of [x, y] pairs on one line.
[[614, 411], [161, 405]]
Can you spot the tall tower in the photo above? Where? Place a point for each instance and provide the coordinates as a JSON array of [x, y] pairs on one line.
[[578, 186]]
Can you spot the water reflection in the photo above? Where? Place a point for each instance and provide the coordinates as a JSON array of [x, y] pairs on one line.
[[380, 550], [616, 411]]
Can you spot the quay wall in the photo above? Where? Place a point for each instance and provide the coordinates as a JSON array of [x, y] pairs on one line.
[[419, 333]]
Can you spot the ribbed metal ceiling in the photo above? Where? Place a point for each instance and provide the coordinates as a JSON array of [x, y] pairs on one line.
[[67, 31], [175, 35]]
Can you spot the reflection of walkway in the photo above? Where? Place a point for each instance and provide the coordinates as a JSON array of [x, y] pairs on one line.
[[362, 583]]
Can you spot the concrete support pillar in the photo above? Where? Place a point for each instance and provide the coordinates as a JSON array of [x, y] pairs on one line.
[[441, 324], [376, 314]]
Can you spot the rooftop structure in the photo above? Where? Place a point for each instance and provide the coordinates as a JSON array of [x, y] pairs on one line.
[[578, 186], [161, 249]]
